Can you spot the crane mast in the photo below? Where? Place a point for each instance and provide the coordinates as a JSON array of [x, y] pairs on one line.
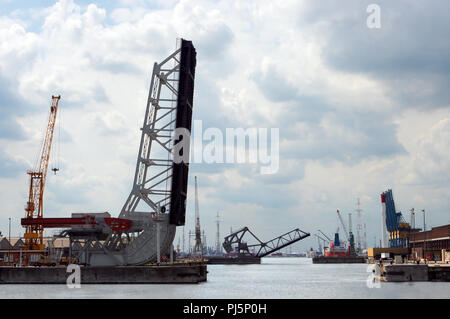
[[343, 225], [34, 209], [198, 245]]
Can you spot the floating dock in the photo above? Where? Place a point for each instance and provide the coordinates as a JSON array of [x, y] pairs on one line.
[[339, 260], [414, 272], [165, 274]]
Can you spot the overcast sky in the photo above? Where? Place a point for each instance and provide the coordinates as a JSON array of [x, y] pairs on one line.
[[359, 109]]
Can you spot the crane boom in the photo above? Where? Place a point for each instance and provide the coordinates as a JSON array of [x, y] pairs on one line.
[[34, 209], [343, 225], [325, 235], [321, 238]]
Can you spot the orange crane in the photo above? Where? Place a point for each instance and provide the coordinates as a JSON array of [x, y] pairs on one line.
[[34, 234]]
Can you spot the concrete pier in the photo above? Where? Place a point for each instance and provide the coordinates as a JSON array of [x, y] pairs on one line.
[[233, 261], [166, 274], [414, 272], [339, 260]]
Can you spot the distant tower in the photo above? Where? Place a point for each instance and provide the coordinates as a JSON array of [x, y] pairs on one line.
[[218, 246], [204, 244], [413, 219], [184, 251], [189, 242], [383, 241], [358, 227], [365, 237], [349, 222], [198, 247]]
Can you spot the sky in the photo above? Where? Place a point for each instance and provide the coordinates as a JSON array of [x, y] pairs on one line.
[[359, 110]]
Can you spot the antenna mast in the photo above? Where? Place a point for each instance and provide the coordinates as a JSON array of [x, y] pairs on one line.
[[358, 227], [218, 246]]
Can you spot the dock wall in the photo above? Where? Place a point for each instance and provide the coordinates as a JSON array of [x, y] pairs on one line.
[[339, 260], [172, 274], [414, 272]]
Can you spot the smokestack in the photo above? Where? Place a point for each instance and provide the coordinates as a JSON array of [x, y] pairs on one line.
[[383, 222]]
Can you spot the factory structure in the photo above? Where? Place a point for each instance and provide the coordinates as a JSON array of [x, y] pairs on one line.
[[403, 239]]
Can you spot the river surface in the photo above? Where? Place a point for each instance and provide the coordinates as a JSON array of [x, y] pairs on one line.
[[275, 278]]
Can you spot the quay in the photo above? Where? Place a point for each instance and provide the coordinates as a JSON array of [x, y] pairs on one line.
[[414, 272], [339, 260], [243, 260], [163, 274]]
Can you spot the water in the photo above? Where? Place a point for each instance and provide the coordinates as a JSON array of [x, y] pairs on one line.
[[278, 278]]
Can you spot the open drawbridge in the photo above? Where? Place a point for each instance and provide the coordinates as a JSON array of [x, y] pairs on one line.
[[235, 242], [145, 229]]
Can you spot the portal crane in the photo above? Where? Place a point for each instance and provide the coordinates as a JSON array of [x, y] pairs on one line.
[[34, 238], [319, 238]]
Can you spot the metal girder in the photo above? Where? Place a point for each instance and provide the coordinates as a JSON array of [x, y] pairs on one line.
[[264, 248], [155, 151]]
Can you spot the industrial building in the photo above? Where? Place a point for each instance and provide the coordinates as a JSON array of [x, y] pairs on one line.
[[407, 241], [430, 243], [14, 252]]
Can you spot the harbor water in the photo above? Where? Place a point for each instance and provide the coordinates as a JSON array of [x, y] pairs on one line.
[[274, 278]]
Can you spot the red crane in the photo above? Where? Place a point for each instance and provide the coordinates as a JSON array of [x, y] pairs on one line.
[[34, 234]]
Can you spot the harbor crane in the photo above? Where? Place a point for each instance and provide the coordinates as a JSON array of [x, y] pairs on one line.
[[34, 238], [198, 246], [343, 225], [319, 238], [325, 235], [349, 235]]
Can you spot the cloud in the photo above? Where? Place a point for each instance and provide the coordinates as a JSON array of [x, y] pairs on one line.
[[11, 106], [274, 87], [9, 166], [398, 54], [430, 164]]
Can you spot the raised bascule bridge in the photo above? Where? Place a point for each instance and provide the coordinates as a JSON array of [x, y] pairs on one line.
[[144, 231], [239, 250]]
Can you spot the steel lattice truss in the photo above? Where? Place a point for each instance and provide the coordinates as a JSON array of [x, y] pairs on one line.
[[263, 248], [152, 181]]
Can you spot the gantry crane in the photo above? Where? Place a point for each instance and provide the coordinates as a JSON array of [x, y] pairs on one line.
[[34, 234]]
